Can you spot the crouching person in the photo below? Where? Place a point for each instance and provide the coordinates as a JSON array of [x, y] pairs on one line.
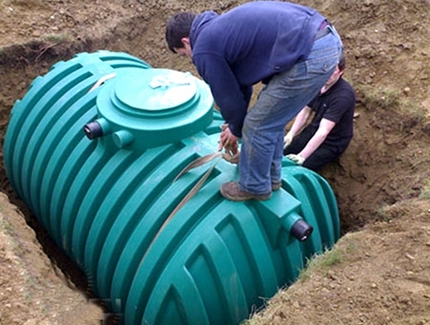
[[329, 133]]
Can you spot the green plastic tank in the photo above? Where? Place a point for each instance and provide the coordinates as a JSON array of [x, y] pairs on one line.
[[93, 149]]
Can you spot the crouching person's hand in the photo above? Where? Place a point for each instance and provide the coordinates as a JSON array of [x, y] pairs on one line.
[[299, 160]]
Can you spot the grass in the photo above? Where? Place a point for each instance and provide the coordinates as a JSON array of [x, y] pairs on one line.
[[383, 97], [384, 214], [321, 262], [7, 227], [57, 38], [394, 100], [425, 192]]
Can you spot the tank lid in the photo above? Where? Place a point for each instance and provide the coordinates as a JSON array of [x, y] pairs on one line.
[[156, 93], [155, 106]]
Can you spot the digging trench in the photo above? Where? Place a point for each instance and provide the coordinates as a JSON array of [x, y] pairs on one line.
[[361, 187]]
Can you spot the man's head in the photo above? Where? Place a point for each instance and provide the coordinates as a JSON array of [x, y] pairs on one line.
[[178, 33], [338, 72]]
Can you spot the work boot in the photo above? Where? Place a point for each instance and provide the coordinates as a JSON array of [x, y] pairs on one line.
[[232, 192], [276, 186]]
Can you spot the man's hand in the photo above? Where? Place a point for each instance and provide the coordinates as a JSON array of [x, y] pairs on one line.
[[288, 139], [299, 160], [228, 141]]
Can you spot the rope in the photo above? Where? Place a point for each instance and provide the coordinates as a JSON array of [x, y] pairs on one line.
[[228, 155]]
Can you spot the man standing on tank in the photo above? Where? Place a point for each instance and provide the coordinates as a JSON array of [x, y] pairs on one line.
[[291, 48]]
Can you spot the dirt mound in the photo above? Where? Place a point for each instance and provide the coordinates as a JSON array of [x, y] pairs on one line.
[[376, 276], [380, 274]]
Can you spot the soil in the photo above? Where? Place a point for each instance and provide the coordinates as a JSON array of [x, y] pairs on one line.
[[379, 271]]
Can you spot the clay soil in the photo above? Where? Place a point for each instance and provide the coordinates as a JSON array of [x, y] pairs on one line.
[[379, 271]]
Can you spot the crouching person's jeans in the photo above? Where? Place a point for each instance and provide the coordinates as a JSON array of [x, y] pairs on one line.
[[277, 104]]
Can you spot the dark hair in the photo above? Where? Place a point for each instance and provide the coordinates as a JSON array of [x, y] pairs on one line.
[[178, 26], [342, 62]]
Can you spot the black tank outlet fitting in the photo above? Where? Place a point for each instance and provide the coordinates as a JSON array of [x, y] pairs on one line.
[[301, 230], [93, 130]]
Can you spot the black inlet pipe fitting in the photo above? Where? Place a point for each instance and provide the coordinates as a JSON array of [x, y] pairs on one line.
[[301, 230], [93, 130]]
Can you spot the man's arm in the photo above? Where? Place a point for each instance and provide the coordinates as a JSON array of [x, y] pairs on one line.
[[301, 120], [324, 129], [232, 98], [298, 124]]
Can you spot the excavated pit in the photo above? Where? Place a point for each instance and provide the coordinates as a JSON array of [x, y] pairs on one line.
[[386, 163]]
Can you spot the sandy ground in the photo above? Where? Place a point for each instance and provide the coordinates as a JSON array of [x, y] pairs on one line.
[[380, 273]]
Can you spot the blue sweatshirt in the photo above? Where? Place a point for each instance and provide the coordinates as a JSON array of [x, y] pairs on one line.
[[237, 49]]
